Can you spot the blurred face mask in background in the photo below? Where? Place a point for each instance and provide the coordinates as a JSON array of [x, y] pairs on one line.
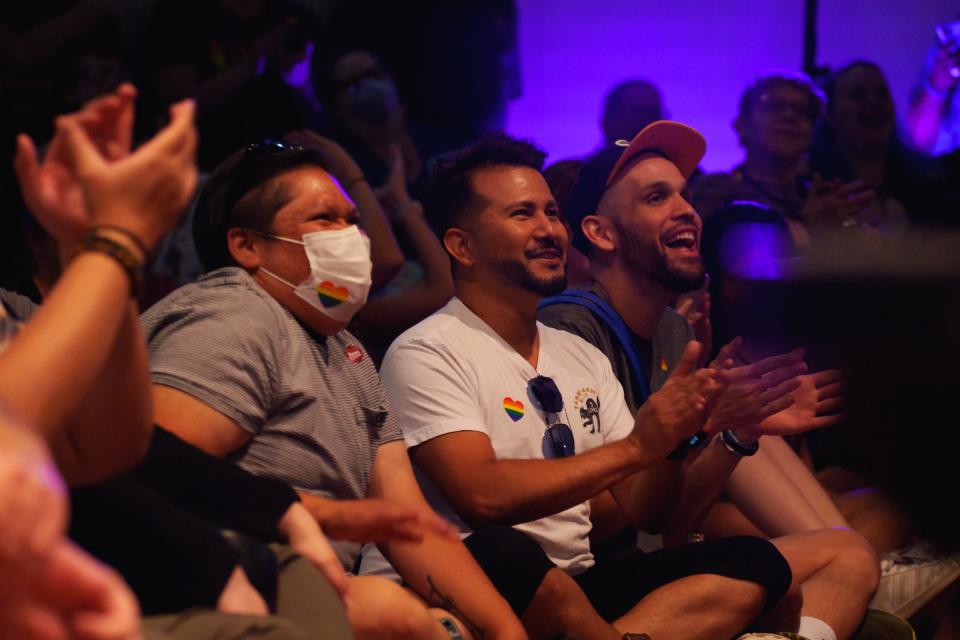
[[373, 100]]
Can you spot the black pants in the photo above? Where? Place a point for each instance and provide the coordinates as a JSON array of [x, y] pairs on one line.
[[516, 565]]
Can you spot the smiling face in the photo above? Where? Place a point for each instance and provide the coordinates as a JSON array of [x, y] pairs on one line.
[[861, 109], [314, 202], [656, 231], [517, 240], [780, 123]]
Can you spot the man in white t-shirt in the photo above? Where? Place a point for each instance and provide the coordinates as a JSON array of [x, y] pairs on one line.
[[512, 422]]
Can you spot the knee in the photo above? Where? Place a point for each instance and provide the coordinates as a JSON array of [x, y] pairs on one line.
[[760, 562], [856, 559], [383, 610]]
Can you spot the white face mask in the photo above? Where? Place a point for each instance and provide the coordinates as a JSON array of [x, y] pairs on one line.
[[340, 267]]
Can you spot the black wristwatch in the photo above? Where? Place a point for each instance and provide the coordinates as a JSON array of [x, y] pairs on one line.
[[737, 447], [684, 448]]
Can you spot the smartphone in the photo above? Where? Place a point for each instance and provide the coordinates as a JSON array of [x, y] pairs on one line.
[[948, 35]]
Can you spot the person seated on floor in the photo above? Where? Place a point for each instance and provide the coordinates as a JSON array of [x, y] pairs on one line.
[[511, 422], [423, 284], [630, 214], [745, 241], [253, 363]]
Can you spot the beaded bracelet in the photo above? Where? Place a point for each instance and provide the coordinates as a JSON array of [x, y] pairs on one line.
[[126, 233], [132, 265]]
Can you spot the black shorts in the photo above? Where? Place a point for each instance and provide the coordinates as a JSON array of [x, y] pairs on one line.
[[516, 565], [512, 560], [615, 586]]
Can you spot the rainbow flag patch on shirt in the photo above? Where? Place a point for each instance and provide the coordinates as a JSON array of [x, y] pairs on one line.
[[514, 408], [331, 295]]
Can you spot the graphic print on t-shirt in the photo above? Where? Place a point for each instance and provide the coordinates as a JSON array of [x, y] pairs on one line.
[[587, 402], [514, 408]]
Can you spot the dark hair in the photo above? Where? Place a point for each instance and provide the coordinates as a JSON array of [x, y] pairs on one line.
[[737, 226], [763, 84], [830, 88], [611, 101], [450, 197], [242, 192], [560, 177]]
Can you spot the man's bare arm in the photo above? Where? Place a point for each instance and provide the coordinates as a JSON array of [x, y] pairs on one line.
[[439, 568], [485, 490]]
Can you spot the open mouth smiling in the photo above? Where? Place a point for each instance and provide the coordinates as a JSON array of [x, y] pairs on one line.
[[681, 239]]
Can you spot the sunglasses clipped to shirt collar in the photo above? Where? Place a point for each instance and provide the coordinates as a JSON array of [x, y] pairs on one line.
[[558, 438]]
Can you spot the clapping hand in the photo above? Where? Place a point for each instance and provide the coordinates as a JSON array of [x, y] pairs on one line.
[[817, 404], [678, 409], [50, 187], [144, 192], [833, 202], [751, 393]]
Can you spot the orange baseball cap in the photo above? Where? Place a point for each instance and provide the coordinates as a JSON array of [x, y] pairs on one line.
[[682, 145]]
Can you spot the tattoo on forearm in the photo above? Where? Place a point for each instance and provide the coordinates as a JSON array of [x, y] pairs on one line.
[[443, 601]]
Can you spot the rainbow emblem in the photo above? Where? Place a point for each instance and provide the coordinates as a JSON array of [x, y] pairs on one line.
[[514, 408], [663, 364], [331, 295]]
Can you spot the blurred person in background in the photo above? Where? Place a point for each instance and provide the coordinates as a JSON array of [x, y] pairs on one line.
[[775, 125], [245, 62], [933, 117], [858, 141], [366, 114], [628, 108]]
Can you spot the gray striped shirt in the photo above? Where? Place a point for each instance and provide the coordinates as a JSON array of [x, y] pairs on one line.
[[315, 405], [15, 309]]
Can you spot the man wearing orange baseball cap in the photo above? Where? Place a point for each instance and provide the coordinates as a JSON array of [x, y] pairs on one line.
[[630, 214]]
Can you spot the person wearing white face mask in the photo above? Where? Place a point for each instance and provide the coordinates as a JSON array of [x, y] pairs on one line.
[[253, 362], [340, 267]]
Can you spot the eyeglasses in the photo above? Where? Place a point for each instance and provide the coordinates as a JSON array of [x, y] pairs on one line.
[[558, 438], [785, 107]]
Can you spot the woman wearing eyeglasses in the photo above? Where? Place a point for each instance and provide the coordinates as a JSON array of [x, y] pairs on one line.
[[775, 126]]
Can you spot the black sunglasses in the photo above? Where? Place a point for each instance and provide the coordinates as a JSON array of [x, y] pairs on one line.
[[558, 438], [250, 168]]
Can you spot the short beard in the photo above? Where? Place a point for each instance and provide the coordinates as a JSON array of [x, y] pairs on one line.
[[517, 273], [643, 257]]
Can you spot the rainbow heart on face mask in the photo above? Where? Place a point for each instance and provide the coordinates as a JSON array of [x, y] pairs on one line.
[[514, 408], [331, 295]]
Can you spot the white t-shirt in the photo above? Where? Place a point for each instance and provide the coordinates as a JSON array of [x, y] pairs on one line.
[[452, 372]]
